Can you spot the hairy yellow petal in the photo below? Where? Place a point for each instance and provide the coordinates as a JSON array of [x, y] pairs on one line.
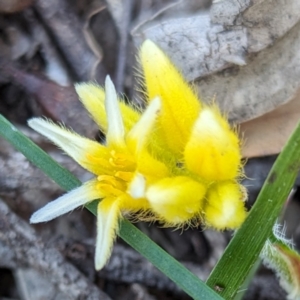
[[213, 150], [92, 96], [137, 187], [138, 136], [176, 200], [68, 202], [131, 205], [86, 152], [151, 168], [225, 205], [115, 128], [180, 105], [108, 215]]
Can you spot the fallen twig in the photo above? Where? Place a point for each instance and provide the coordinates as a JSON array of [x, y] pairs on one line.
[[29, 250]]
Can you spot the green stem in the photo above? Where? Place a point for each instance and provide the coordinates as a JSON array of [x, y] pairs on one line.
[[243, 250]]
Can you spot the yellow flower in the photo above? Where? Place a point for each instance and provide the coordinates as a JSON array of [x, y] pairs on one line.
[[117, 166], [178, 162], [201, 140]]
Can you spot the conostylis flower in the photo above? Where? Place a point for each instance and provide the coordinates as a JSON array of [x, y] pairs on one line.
[[178, 162], [203, 145]]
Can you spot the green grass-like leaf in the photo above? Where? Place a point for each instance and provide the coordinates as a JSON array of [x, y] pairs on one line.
[[243, 251], [187, 281]]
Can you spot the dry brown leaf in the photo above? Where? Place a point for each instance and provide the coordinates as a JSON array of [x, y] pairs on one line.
[[117, 9], [267, 134], [91, 10], [244, 53], [67, 31], [57, 102], [16, 42], [121, 13], [21, 238]]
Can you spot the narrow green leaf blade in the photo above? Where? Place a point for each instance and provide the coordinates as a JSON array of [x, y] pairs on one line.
[[186, 280], [244, 249], [37, 156], [166, 263]]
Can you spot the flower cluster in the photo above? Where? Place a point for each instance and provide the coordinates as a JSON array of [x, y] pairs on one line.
[[178, 162]]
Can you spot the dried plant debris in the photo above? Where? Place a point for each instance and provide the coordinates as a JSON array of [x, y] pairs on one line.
[[29, 251], [266, 135], [56, 102], [265, 286], [26, 41], [13, 6], [31, 61], [58, 15], [23, 182]]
